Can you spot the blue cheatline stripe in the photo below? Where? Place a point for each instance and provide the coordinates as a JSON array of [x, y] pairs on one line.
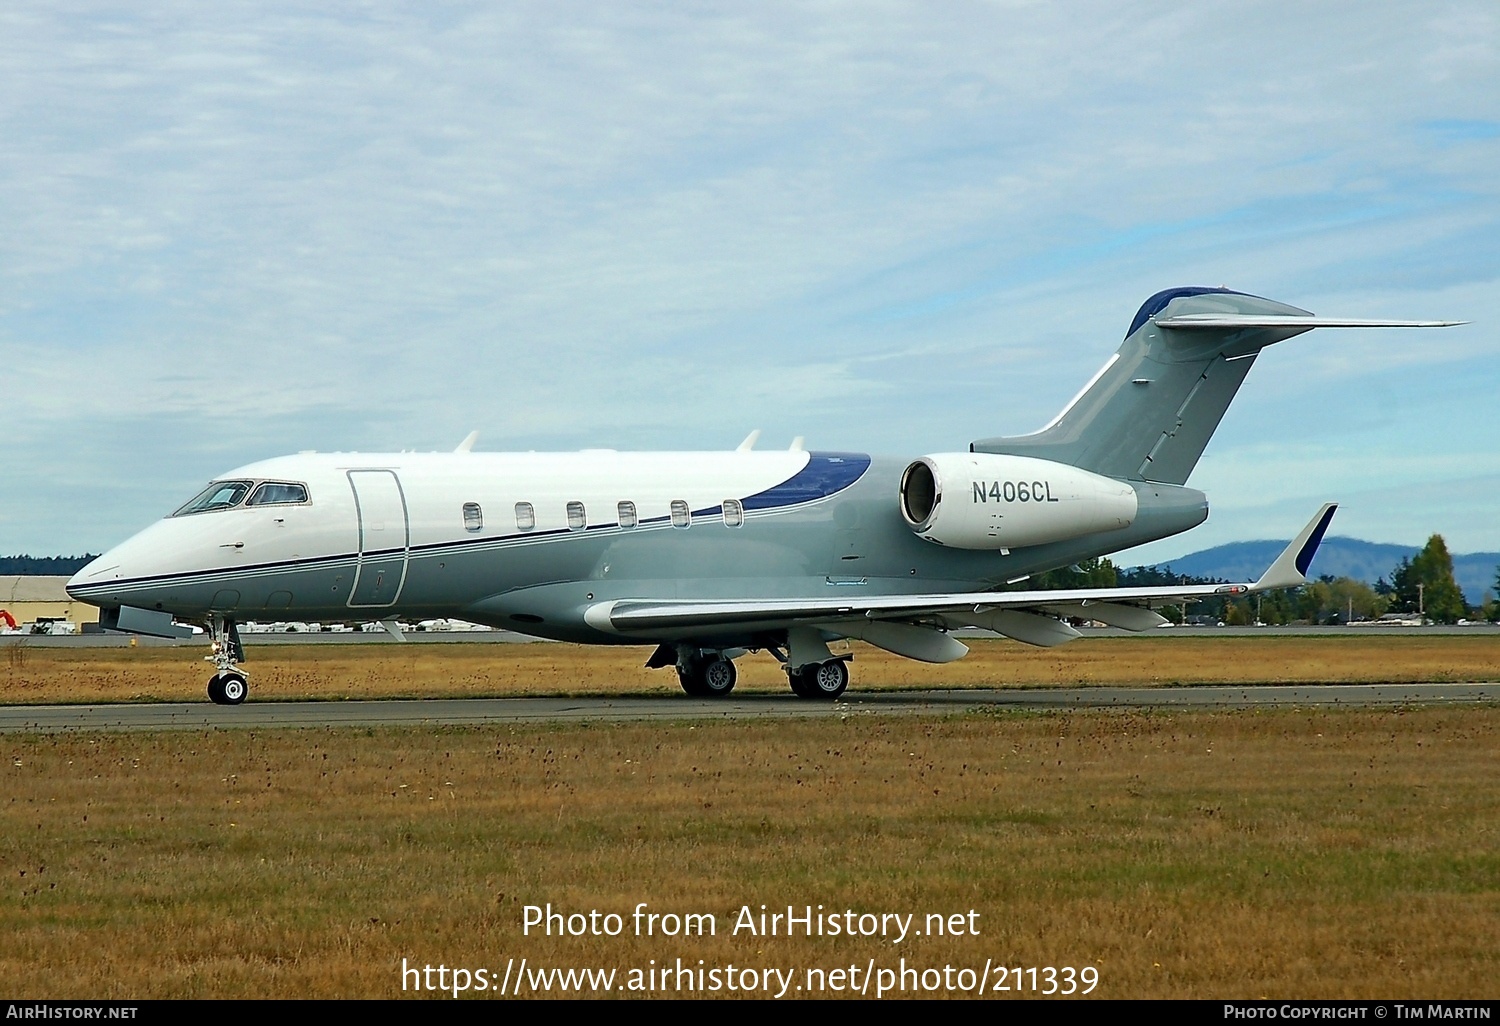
[[825, 474]]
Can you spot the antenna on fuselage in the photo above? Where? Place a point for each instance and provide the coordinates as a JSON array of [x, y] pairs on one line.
[[749, 442], [467, 445], [797, 445]]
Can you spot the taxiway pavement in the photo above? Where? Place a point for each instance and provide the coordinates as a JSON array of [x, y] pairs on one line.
[[448, 711]]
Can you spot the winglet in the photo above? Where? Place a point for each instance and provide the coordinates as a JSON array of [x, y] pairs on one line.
[[1290, 568]]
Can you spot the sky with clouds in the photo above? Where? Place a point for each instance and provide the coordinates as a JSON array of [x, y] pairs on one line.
[[230, 231]]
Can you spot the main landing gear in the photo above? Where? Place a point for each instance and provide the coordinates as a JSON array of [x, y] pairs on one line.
[[709, 673], [706, 674], [812, 670], [229, 685], [825, 680]]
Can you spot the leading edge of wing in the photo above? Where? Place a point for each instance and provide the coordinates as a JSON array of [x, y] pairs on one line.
[[640, 615]]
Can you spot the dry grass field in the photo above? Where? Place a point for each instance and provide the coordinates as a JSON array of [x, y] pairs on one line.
[[1279, 853], [1282, 853], [38, 675]]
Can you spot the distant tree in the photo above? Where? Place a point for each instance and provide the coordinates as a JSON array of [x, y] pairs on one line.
[[43, 566], [1215, 606], [1403, 586], [1090, 573], [1239, 613], [1156, 577], [1326, 600], [1338, 600], [1426, 583], [1273, 607]]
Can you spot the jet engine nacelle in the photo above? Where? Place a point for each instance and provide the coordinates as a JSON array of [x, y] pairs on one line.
[[972, 500]]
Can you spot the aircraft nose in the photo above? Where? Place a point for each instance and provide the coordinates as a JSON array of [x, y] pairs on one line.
[[117, 577], [87, 582], [142, 571]]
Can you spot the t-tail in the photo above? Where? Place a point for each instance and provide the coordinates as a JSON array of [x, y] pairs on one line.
[[1150, 410]]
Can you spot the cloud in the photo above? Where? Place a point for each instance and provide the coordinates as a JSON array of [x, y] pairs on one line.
[[247, 228]]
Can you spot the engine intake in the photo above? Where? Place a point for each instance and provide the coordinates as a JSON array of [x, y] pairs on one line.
[[992, 501]]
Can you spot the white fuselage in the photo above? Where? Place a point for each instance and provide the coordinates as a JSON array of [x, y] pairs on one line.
[[531, 541]]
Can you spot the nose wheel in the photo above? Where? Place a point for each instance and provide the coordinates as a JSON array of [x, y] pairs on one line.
[[229, 685]]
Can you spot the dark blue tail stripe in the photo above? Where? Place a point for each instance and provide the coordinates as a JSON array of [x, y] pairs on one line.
[[1153, 306], [1305, 557]]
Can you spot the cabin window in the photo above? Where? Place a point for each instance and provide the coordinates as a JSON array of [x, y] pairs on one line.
[[219, 495], [525, 516], [734, 513], [274, 493], [473, 517], [577, 519], [681, 516], [627, 513]]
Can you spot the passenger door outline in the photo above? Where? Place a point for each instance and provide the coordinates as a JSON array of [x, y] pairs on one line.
[[380, 572]]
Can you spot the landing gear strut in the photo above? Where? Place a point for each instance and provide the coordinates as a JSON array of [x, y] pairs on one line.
[[229, 685], [710, 673], [811, 669]]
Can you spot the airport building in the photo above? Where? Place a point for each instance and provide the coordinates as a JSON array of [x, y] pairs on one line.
[[42, 602]]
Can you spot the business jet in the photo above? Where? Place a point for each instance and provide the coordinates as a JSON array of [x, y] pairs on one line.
[[711, 555]]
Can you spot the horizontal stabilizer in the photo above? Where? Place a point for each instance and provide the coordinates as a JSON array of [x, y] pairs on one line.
[[1221, 321]]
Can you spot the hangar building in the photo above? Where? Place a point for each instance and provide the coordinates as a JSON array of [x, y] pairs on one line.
[[28, 599]]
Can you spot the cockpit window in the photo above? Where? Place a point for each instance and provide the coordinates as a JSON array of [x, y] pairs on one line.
[[219, 495], [273, 492]]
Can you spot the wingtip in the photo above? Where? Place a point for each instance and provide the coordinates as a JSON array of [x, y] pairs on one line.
[[1290, 568], [1310, 547]]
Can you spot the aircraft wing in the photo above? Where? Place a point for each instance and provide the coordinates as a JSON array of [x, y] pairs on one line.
[[914, 625]]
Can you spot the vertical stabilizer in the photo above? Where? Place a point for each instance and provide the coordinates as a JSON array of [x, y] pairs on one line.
[[1149, 413]]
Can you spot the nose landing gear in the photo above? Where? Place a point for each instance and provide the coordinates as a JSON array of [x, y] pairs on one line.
[[229, 685]]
